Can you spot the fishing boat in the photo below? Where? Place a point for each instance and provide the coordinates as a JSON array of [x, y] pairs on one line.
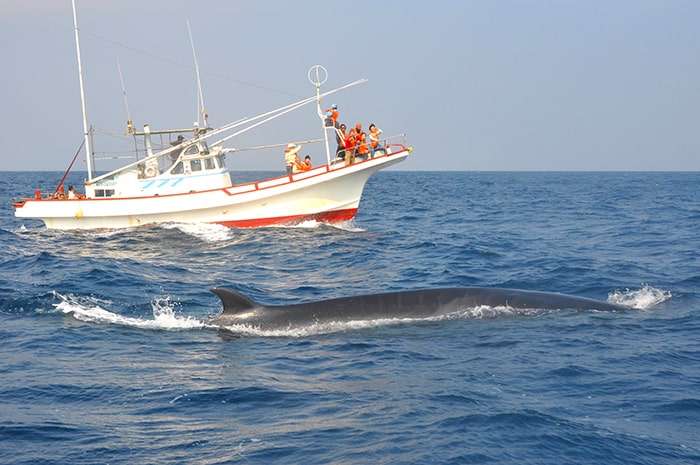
[[187, 181]]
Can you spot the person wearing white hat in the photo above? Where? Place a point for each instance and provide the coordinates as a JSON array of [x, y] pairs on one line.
[[290, 156]]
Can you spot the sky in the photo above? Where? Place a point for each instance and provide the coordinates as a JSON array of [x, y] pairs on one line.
[[503, 85]]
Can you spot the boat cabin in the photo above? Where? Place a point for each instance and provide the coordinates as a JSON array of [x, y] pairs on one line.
[[188, 167]]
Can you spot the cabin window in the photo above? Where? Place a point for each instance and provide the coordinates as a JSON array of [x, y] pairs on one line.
[[192, 150], [196, 165], [205, 148], [174, 154], [178, 169], [209, 164], [220, 160], [104, 192]]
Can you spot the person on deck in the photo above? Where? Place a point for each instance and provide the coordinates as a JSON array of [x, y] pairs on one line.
[[72, 194], [358, 129], [290, 155], [350, 142], [374, 143], [296, 167], [306, 164], [300, 166], [362, 147], [340, 136], [176, 152], [333, 111]]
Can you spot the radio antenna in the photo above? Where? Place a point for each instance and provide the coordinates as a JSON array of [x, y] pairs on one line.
[[200, 102], [129, 124]]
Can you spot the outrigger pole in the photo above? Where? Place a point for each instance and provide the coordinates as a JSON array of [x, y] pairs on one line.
[[276, 113], [270, 115], [82, 96]]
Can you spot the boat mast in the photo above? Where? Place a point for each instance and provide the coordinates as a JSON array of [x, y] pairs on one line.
[[318, 75], [82, 96]]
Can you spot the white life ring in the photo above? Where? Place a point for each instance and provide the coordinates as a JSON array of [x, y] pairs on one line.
[[151, 171]]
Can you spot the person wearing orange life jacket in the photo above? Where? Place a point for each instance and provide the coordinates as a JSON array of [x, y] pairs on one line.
[[358, 128], [340, 139], [300, 166], [332, 112], [350, 142], [362, 147], [374, 143]]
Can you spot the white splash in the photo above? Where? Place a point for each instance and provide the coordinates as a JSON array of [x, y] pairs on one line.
[[475, 313], [313, 224], [306, 224], [206, 232], [91, 310], [349, 226], [309, 330], [643, 298]]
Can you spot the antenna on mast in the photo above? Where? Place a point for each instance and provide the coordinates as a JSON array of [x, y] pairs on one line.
[[129, 124], [318, 75], [200, 101]]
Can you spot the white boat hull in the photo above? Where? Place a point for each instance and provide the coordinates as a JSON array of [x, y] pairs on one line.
[[326, 194]]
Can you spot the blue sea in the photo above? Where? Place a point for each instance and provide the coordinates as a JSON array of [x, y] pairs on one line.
[[105, 357]]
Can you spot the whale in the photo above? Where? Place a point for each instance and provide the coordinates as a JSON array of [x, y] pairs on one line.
[[411, 304]]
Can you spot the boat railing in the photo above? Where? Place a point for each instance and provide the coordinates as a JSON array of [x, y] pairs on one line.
[[392, 148]]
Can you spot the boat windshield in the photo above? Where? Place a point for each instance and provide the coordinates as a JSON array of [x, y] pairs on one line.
[[205, 148], [198, 148]]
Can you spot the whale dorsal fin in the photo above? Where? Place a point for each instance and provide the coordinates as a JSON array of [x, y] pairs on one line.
[[234, 302]]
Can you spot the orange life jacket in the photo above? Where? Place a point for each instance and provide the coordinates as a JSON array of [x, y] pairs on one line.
[[334, 114]]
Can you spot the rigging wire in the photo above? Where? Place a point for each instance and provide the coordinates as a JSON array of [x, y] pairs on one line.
[[184, 65]]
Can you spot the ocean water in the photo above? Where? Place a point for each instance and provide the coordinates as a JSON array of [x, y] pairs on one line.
[[105, 358]]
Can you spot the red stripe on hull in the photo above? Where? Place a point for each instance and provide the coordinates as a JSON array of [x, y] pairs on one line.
[[335, 216]]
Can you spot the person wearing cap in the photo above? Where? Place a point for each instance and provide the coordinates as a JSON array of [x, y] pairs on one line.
[[180, 140], [290, 154], [333, 110]]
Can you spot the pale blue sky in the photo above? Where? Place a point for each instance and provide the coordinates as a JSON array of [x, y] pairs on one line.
[[476, 85]]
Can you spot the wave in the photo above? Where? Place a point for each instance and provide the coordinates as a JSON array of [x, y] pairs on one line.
[[215, 233], [90, 310], [205, 232]]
